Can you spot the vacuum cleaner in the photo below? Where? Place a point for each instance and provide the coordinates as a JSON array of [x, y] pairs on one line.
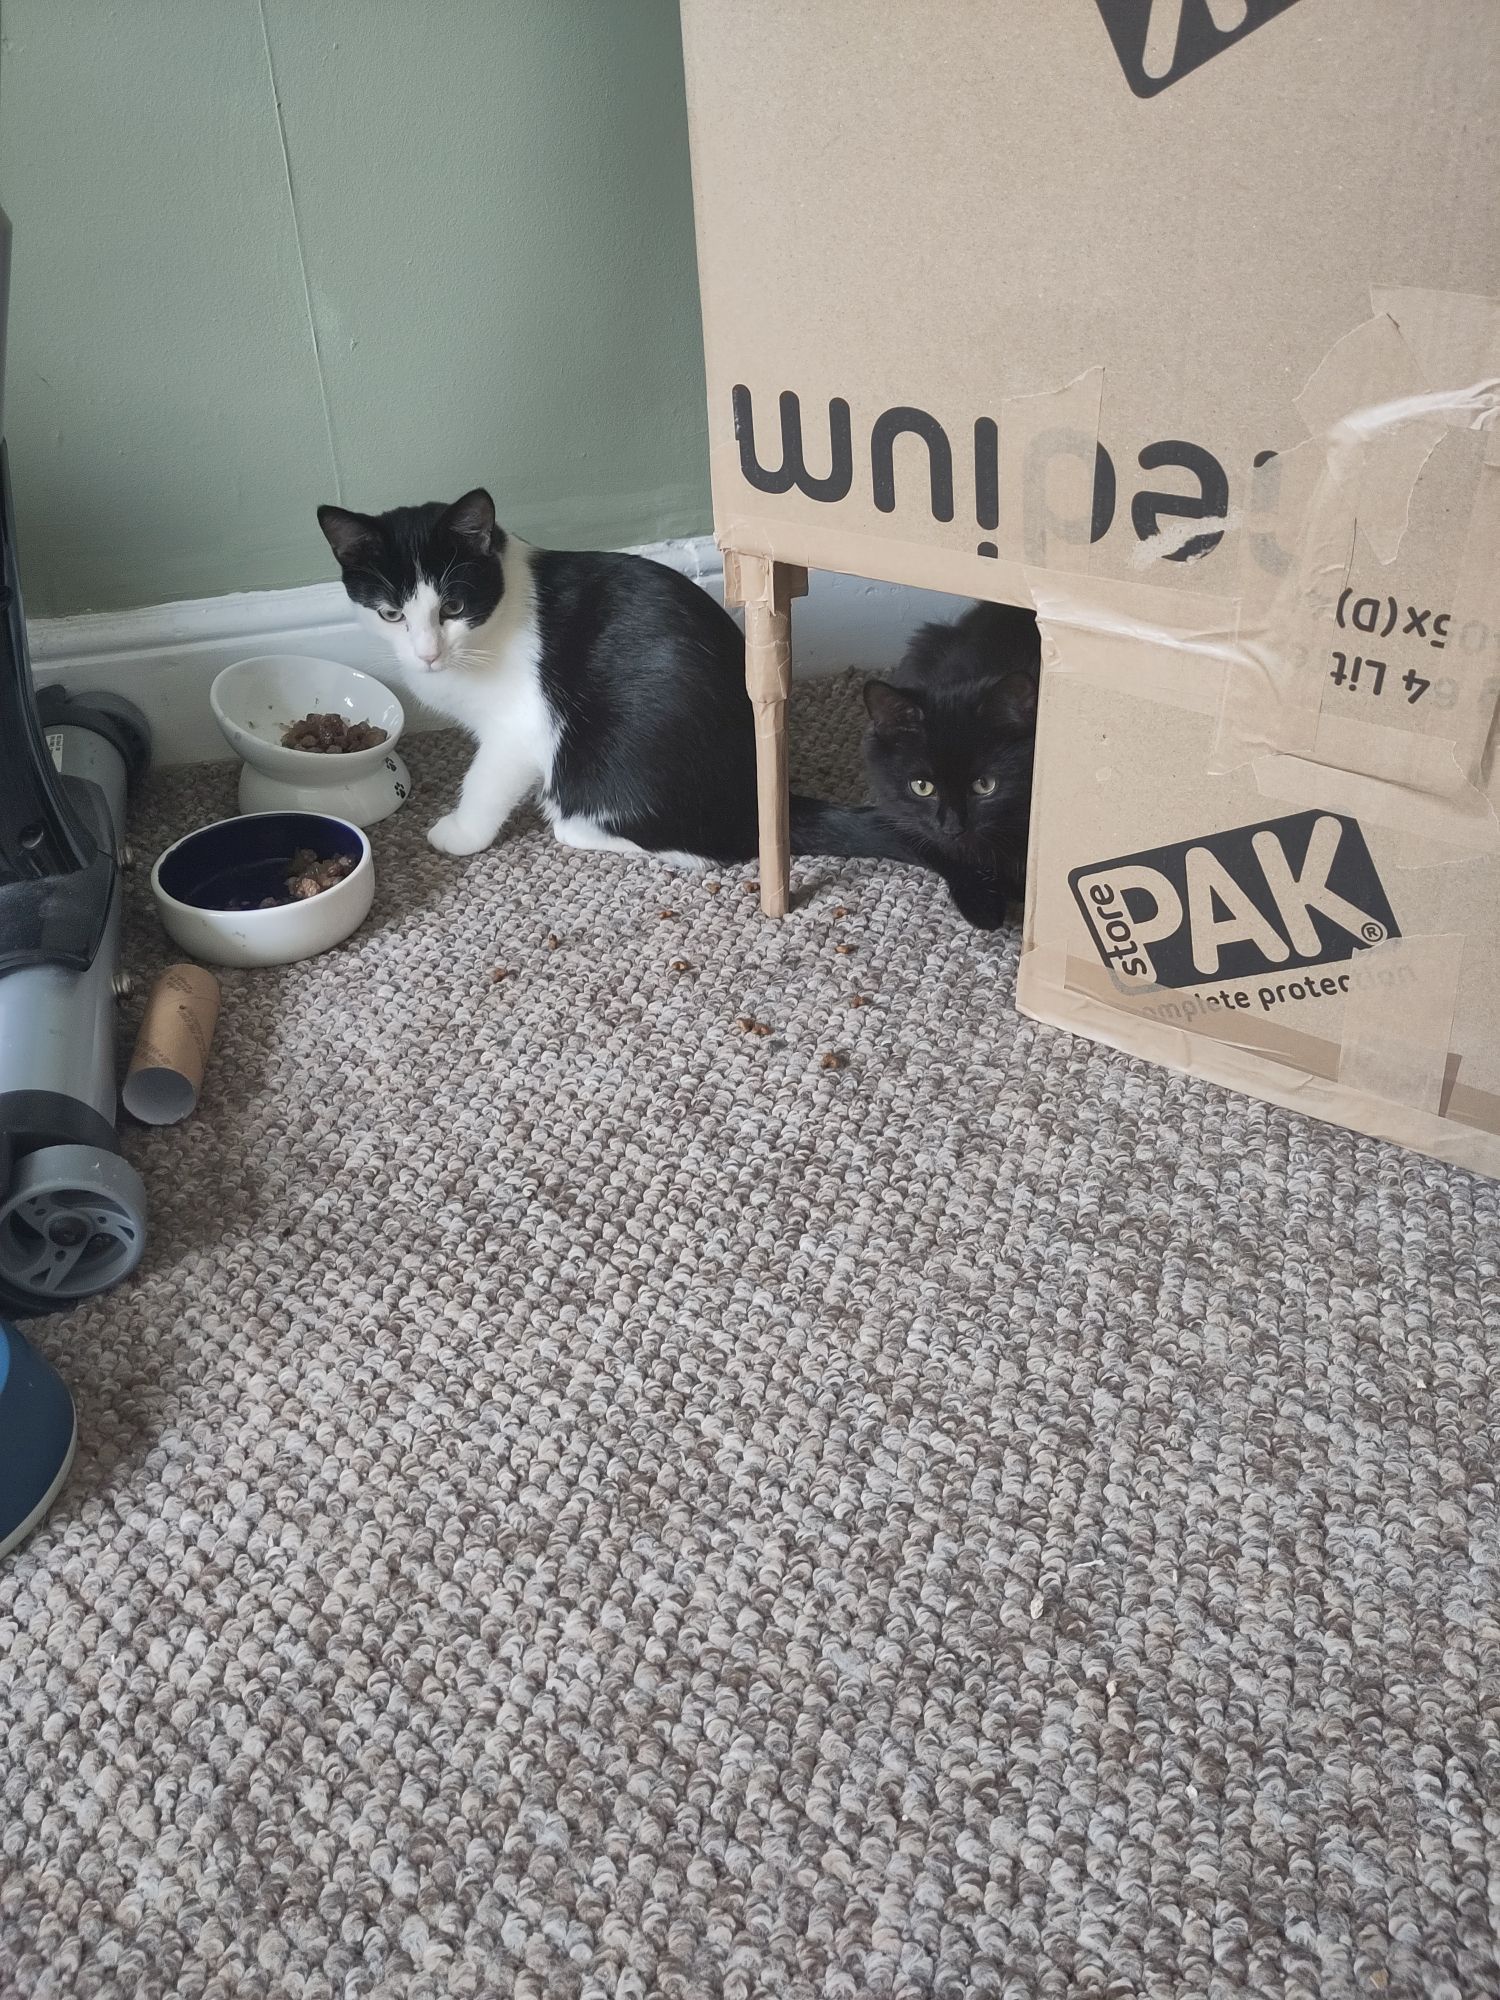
[[72, 1209]]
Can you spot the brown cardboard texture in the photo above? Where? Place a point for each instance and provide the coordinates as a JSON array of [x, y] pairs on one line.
[[171, 1049], [1178, 319]]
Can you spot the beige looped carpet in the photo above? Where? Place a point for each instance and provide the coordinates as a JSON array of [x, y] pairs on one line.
[[585, 1500]]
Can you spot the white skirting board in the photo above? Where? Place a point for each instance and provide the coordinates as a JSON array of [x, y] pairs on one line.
[[164, 656]]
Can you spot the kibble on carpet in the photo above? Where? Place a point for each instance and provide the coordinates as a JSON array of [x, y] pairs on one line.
[[585, 1499]]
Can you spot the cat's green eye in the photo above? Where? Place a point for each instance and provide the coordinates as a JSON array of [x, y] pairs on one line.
[[922, 787], [391, 617], [985, 787], [450, 610]]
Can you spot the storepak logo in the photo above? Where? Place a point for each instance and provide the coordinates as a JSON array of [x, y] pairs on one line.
[[1283, 893], [1161, 41]]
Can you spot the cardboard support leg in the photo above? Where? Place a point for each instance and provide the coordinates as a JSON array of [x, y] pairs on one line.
[[766, 590]]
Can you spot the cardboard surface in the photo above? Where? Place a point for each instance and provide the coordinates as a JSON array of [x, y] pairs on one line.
[[170, 1056], [1176, 318]]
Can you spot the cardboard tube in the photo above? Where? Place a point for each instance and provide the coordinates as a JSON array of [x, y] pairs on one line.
[[171, 1051]]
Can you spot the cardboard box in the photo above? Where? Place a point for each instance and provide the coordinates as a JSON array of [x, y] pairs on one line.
[[1177, 319]]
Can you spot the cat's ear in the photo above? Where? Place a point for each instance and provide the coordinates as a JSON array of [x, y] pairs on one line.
[[1010, 702], [893, 712], [473, 517], [354, 538]]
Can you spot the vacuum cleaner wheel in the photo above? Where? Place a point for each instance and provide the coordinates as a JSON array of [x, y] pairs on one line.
[[72, 1223]]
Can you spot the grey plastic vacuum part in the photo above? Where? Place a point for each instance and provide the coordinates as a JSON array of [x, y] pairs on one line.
[[72, 1211], [51, 1017]]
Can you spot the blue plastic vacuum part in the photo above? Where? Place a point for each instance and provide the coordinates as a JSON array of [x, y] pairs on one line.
[[38, 1432]]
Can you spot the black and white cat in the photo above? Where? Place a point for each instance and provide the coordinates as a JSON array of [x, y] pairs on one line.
[[609, 684]]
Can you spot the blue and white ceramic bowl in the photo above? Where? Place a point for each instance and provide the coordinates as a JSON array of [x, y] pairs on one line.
[[240, 861]]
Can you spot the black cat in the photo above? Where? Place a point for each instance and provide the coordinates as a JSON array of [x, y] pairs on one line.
[[949, 753]]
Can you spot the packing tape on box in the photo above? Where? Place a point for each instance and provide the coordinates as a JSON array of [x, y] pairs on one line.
[[1394, 1044], [762, 585], [1376, 423], [1139, 639], [1415, 1100], [1398, 1020], [1313, 609], [1048, 454], [1262, 659]]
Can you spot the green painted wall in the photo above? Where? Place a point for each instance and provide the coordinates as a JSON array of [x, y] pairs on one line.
[[461, 254]]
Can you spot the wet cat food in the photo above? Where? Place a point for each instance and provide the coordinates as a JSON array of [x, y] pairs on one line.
[[306, 876], [334, 735]]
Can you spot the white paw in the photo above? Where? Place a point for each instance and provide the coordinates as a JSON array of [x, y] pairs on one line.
[[453, 834]]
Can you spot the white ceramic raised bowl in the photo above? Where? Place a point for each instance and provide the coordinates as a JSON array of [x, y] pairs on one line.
[[241, 860], [253, 702]]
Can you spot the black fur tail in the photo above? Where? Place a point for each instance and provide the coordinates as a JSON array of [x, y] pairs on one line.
[[821, 827]]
